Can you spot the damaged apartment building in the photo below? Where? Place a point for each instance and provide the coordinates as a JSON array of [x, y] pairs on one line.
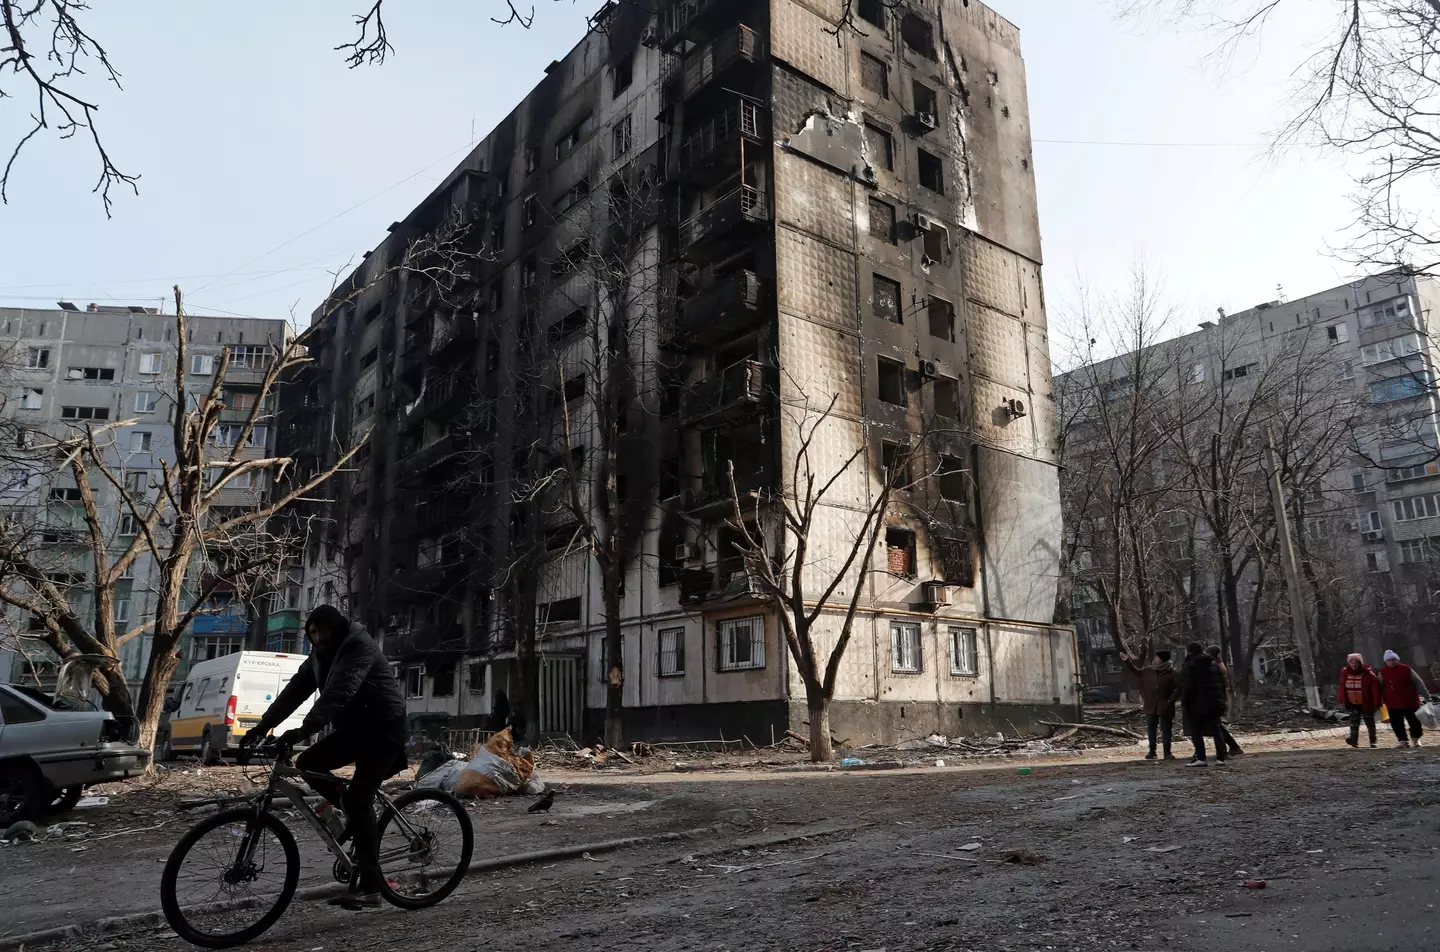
[[778, 218]]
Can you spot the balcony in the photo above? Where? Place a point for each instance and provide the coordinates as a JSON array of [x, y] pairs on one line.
[[457, 332], [727, 395], [736, 48], [442, 394], [719, 311], [730, 580], [717, 147], [432, 514], [426, 640], [431, 455], [717, 498], [690, 19], [724, 223]]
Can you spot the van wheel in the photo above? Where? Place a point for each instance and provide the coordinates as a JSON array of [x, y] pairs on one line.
[[209, 756], [23, 793]]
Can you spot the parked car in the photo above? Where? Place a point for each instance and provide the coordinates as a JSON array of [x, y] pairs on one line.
[[53, 746], [1101, 694]]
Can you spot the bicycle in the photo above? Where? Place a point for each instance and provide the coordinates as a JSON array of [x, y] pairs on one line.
[[416, 855]]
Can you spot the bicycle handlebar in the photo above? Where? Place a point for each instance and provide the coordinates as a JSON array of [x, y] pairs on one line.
[[270, 749]]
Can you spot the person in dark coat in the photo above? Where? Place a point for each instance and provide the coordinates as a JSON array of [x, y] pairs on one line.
[[1202, 692], [1158, 689], [500, 712], [361, 700], [1230, 743], [1403, 691], [1360, 694]]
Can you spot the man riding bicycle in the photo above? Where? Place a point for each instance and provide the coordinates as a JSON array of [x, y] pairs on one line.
[[362, 701]]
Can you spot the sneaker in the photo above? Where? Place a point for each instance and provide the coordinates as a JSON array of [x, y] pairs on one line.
[[1219, 761], [1196, 763], [1150, 756], [1415, 742], [1373, 745], [1404, 745]]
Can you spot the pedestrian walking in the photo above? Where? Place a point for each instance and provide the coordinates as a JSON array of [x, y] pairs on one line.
[[1158, 690], [1360, 694], [1202, 692], [1403, 691], [1230, 744]]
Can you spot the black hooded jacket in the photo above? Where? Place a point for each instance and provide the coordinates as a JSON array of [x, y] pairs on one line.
[[357, 688], [1202, 687]]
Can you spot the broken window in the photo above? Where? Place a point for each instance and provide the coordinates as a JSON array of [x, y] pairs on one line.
[[925, 104], [563, 610], [899, 551], [529, 272], [575, 388], [884, 145], [531, 158], [890, 381], [624, 76], [882, 221], [950, 479], [935, 242], [497, 236], [887, 299], [893, 460], [568, 326], [527, 212], [875, 75], [947, 397], [622, 136], [918, 35], [932, 172], [956, 565], [905, 656], [871, 11], [942, 319]]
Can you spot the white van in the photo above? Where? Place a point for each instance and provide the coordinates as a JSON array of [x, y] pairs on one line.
[[226, 696]]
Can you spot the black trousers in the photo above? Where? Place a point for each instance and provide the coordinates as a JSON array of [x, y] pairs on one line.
[[1357, 714], [1230, 743], [1399, 717], [1203, 727], [1164, 725], [377, 757]]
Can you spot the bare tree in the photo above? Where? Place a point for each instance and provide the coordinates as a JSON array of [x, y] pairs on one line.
[[176, 516]]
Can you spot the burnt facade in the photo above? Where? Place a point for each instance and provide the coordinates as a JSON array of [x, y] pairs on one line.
[[841, 214]]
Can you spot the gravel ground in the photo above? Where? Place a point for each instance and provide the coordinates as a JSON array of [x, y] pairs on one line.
[[1070, 857]]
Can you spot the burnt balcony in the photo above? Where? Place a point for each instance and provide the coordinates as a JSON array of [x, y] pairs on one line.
[[440, 395], [717, 497], [425, 641], [726, 396], [715, 148], [721, 310], [431, 455], [457, 333], [693, 20], [724, 224], [429, 515], [733, 51], [729, 580]]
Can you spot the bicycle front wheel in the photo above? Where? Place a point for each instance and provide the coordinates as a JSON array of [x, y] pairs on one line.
[[426, 839], [229, 878]]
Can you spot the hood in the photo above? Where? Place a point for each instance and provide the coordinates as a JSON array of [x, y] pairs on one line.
[[1164, 667], [1202, 661]]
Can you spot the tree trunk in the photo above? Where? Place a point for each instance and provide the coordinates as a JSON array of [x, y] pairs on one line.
[[163, 662], [615, 668], [1230, 591], [821, 750], [528, 705]]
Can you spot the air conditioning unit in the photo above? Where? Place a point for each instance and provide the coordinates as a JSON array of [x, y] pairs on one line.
[[682, 553], [925, 120], [75, 373], [929, 369], [935, 593], [923, 223], [1373, 535], [650, 38], [1016, 408], [1352, 526]]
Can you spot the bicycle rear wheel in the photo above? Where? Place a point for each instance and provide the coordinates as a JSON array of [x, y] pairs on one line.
[[426, 839], [229, 878]]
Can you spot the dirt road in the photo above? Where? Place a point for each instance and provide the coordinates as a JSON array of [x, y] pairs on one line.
[[1109, 856]]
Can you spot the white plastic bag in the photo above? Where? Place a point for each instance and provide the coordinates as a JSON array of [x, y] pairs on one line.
[[1429, 715], [442, 777]]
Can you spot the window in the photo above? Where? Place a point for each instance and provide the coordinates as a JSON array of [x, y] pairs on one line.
[[882, 221], [415, 681], [575, 388], [570, 140], [942, 319], [894, 461], [884, 145], [932, 172], [924, 99], [950, 478], [365, 406], [497, 240], [442, 682], [122, 610], [900, 551], [15, 711], [905, 654], [528, 272], [564, 611], [129, 525], [475, 677], [1370, 522], [623, 76], [621, 137], [1360, 481], [918, 35], [532, 158], [151, 364], [964, 652], [367, 359], [140, 441], [254, 357], [1416, 507], [84, 413], [1399, 388], [1418, 550], [1337, 333], [890, 381], [37, 358], [1197, 373], [672, 652], [886, 300], [146, 401], [65, 494], [527, 211], [741, 643], [1377, 561], [872, 12], [31, 397], [1392, 349], [568, 326], [90, 373], [1418, 471], [1392, 312], [201, 364], [875, 75], [1245, 370]]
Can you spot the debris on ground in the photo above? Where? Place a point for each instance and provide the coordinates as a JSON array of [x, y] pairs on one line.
[[497, 769], [1022, 858], [22, 831]]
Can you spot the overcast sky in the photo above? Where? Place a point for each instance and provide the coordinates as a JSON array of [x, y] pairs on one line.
[[266, 163]]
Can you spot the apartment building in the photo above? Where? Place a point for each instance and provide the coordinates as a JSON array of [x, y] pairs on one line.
[[67, 368], [1366, 521], [844, 217]]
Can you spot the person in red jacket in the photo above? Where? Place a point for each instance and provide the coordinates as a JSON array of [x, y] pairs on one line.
[[1360, 695], [1403, 691]]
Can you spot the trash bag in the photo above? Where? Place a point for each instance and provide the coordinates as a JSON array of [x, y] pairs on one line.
[[496, 769], [1429, 715], [442, 777]]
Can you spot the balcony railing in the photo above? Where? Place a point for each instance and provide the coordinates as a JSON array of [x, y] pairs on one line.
[[739, 45], [717, 312], [717, 496], [741, 207], [740, 120], [682, 16], [715, 398]]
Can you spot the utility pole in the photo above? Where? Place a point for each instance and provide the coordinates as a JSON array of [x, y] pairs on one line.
[[1292, 577]]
